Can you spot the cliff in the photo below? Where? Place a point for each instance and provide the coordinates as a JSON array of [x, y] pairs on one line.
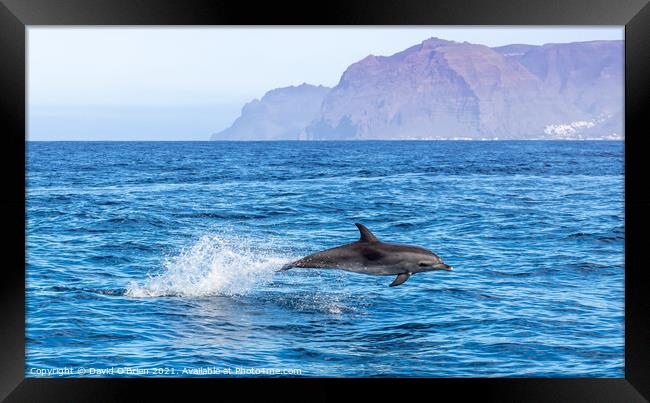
[[443, 89], [281, 114]]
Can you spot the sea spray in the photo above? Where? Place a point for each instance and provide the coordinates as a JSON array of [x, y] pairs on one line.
[[214, 265]]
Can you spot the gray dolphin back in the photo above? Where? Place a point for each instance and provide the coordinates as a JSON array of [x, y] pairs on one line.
[[330, 258]]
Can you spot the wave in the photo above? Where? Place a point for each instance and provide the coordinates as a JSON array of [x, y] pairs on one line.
[[224, 216], [612, 236], [101, 291], [213, 265]]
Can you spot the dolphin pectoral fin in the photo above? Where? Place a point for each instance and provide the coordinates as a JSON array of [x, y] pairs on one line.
[[401, 278]]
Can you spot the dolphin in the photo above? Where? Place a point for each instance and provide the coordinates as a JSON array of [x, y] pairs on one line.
[[369, 255]]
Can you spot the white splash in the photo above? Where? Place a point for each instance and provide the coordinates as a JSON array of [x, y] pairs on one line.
[[214, 265]]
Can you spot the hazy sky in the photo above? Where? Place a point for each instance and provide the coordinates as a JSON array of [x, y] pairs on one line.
[[163, 83]]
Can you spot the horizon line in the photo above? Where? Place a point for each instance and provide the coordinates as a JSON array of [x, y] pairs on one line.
[[311, 141]]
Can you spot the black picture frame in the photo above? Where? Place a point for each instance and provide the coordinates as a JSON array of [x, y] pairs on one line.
[[16, 15]]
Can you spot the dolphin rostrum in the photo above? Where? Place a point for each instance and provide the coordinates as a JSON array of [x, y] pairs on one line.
[[369, 255]]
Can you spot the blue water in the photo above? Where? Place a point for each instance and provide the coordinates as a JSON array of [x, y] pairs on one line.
[[148, 255]]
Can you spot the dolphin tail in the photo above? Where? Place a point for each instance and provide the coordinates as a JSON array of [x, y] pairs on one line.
[[286, 267]]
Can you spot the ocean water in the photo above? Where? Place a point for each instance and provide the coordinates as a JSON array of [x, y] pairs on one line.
[[163, 255]]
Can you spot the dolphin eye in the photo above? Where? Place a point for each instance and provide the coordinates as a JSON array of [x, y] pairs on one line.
[[422, 264]]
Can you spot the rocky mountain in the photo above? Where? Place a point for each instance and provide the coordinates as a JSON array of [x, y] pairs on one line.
[[443, 89], [281, 114], [588, 75]]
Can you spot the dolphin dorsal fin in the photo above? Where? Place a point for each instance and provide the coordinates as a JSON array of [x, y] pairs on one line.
[[366, 235]]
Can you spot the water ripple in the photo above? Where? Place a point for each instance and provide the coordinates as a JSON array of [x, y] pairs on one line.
[[165, 255]]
